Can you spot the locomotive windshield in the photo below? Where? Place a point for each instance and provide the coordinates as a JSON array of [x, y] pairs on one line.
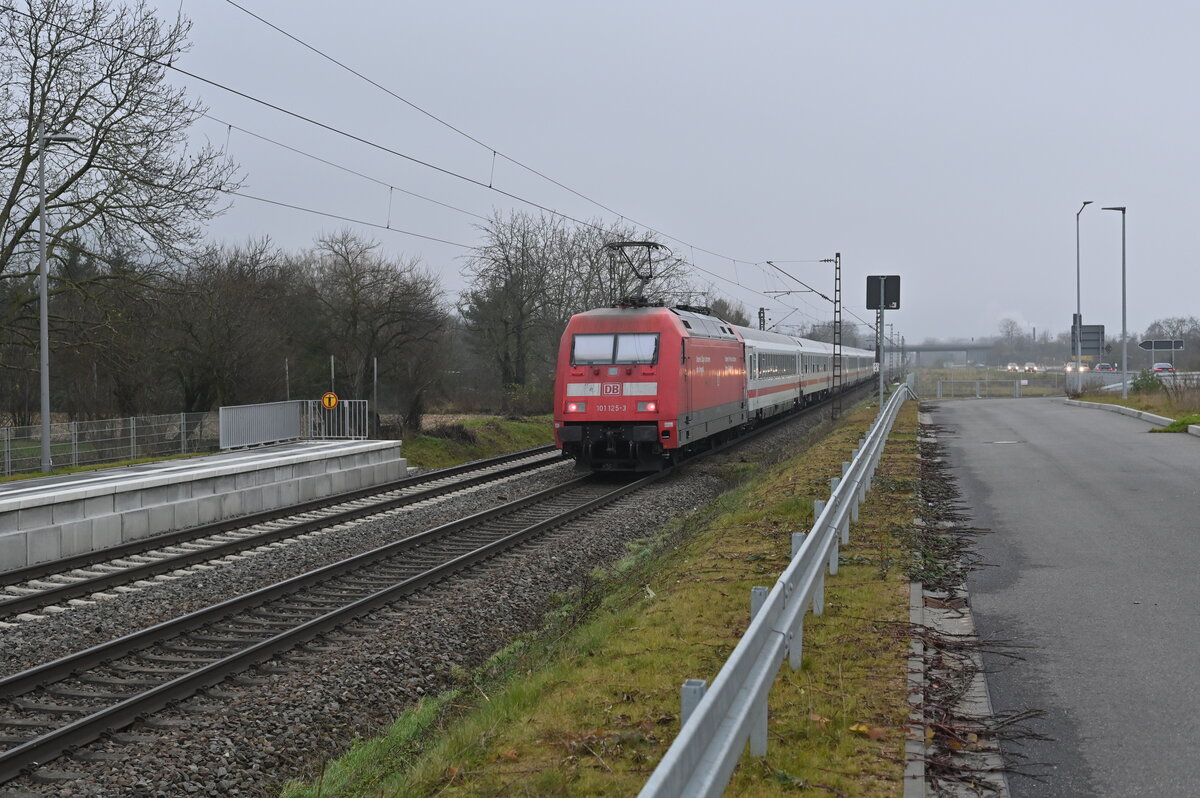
[[608, 349]]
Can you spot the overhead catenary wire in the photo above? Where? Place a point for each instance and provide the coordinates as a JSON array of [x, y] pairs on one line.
[[347, 219], [495, 152], [308, 120], [346, 169], [381, 147], [391, 187]]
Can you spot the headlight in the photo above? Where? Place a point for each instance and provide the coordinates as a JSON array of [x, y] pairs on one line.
[[647, 407], [576, 407]]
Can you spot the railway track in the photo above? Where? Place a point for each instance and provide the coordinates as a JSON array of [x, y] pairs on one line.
[[67, 703], [51, 583], [60, 705]]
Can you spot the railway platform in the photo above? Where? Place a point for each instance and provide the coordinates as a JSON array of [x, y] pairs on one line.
[[48, 518]]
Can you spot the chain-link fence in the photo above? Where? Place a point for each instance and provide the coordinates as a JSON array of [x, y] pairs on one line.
[[81, 443]]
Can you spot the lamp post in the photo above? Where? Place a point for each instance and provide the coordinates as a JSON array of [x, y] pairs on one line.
[[1124, 334], [1078, 305], [44, 140]]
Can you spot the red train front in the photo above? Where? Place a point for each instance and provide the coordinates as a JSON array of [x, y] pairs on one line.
[[636, 384]]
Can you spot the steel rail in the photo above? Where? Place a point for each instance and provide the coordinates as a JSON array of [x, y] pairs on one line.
[[33, 753], [42, 749], [78, 561], [84, 586], [19, 683]]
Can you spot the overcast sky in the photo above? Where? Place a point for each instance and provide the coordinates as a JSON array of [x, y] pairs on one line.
[[950, 143]]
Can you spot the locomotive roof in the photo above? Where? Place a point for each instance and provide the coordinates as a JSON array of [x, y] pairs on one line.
[[698, 325], [766, 336], [706, 325]]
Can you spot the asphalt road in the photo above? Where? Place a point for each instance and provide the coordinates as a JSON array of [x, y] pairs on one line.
[[1092, 574]]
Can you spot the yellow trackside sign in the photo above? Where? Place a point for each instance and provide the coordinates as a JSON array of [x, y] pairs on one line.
[[329, 400]]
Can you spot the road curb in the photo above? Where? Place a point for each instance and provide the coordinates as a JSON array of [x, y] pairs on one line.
[[1158, 421], [950, 617], [915, 749], [957, 622]]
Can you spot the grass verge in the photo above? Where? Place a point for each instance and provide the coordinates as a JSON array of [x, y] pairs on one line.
[[472, 439], [1173, 403], [589, 706], [1179, 424]]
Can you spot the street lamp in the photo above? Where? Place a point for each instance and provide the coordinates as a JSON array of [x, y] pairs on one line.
[[1124, 334], [1078, 305], [44, 140]]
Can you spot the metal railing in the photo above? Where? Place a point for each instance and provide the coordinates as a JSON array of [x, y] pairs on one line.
[[254, 425], [299, 419], [980, 389], [350, 419], [81, 443], [717, 721]]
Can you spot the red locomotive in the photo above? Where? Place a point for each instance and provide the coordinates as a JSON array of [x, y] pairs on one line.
[[636, 385]]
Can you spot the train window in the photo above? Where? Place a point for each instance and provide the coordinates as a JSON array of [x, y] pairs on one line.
[[637, 348], [592, 349]]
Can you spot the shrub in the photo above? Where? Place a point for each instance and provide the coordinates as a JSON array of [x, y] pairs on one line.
[[1146, 382], [454, 432]]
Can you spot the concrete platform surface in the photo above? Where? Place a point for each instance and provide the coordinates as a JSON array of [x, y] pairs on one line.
[[49, 518]]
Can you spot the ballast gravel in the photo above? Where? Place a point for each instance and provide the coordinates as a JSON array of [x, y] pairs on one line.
[[253, 733]]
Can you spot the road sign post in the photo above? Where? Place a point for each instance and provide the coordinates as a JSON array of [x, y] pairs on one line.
[[1162, 345], [883, 292], [1089, 338]]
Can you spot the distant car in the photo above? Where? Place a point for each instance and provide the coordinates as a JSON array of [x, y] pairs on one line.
[[1011, 367], [1031, 367], [1069, 367], [1105, 367], [1164, 368]]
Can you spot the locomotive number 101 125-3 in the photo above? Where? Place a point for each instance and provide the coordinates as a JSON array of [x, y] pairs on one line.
[[612, 408]]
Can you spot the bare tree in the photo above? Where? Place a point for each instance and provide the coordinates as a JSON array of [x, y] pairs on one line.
[[103, 365], [372, 307], [603, 280], [528, 278], [228, 321], [87, 69], [1011, 330], [1177, 328], [512, 284], [1174, 327], [731, 311]]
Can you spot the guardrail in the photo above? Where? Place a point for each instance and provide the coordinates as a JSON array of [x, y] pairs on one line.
[[716, 722]]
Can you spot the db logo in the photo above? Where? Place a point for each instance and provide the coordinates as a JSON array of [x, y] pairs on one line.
[[610, 389]]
